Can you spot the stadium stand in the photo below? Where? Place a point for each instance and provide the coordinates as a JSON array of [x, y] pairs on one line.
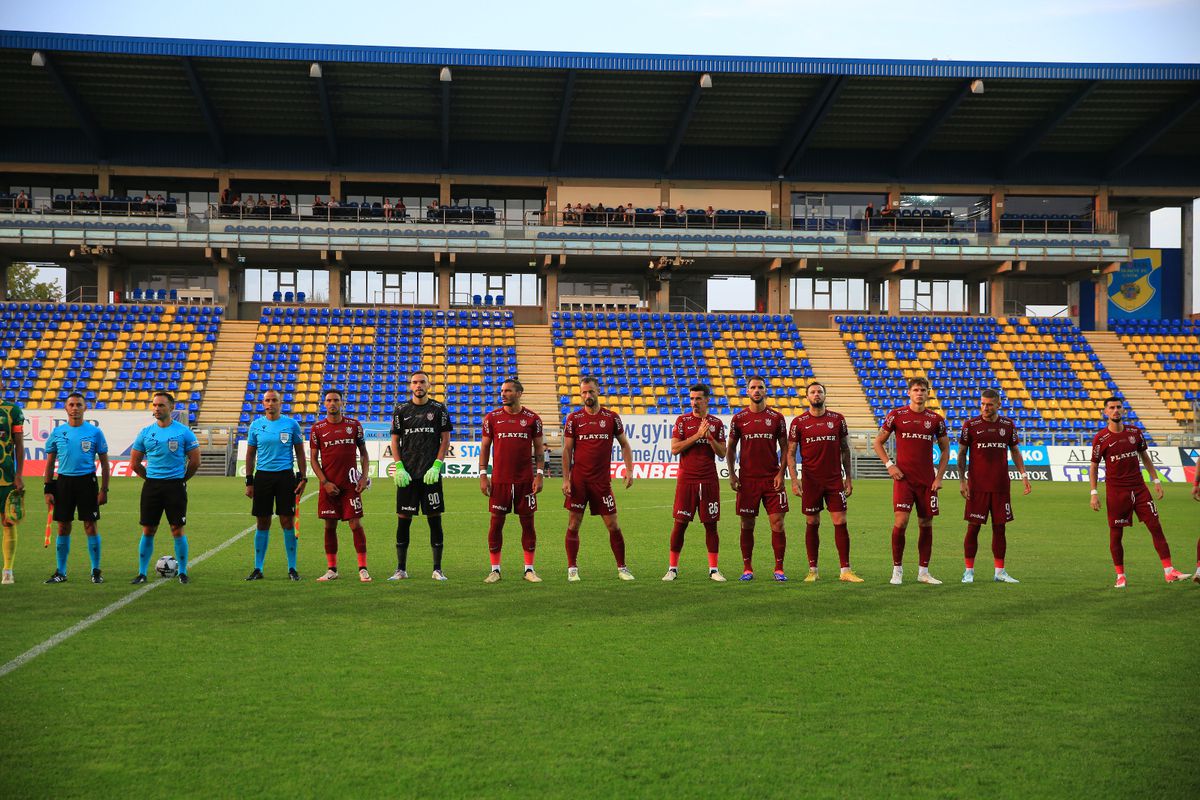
[[369, 353], [645, 361], [117, 206], [1168, 354], [1049, 377], [663, 217], [1046, 223], [115, 354], [686, 237]]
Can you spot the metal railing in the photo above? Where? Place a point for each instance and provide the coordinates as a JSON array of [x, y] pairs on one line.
[[97, 208]]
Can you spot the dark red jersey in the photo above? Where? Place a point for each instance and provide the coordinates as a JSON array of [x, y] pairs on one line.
[[512, 438], [336, 444], [915, 432], [1121, 453], [987, 454], [593, 436], [697, 462], [819, 445], [760, 435]]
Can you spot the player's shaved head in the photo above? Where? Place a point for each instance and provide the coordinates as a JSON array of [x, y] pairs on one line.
[[589, 392]]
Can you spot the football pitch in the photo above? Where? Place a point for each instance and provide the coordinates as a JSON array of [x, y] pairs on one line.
[[1060, 686]]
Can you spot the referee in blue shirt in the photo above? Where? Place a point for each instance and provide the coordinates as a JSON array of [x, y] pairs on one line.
[[172, 455], [74, 447], [272, 443]]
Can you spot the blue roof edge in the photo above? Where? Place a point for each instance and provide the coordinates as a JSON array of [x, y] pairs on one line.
[[630, 62]]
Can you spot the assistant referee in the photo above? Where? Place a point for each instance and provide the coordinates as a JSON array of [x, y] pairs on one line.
[[271, 444]]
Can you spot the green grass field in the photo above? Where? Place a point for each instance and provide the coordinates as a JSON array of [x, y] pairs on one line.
[[1060, 686]]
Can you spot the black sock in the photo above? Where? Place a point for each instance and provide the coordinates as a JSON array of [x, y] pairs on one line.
[[403, 525], [435, 541]]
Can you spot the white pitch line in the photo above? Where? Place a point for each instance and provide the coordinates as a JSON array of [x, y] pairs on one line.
[[84, 624]]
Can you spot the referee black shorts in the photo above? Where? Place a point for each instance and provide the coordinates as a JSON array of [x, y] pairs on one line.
[[76, 493], [274, 492], [421, 498], [161, 495]]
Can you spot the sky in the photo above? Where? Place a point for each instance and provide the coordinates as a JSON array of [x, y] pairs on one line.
[[1161, 31]]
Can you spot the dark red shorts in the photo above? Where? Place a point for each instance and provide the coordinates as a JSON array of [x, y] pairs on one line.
[[693, 496], [595, 496], [815, 496], [914, 497], [344, 506], [1123, 502], [761, 491], [513, 498], [981, 504]]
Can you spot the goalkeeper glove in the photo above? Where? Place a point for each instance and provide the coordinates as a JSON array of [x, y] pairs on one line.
[[433, 473], [402, 478]]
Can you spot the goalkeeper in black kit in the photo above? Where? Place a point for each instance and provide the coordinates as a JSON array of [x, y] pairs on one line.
[[420, 440]]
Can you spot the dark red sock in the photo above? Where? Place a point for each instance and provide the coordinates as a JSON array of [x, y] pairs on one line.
[[971, 545], [748, 549], [677, 541], [572, 546], [1160, 542], [331, 544], [712, 541], [1116, 548], [897, 546], [360, 546], [496, 538], [616, 540], [841, 538], [999, 544], [812, 543], [779, 545], [924, 544], [528, 539]]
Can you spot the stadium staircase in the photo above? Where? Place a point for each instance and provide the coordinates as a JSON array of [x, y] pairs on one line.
[[1155, 416], [226, 387], [535, 364], [831, 366]]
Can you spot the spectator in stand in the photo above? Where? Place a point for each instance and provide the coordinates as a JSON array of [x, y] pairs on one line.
[[273, 202], [401, 209], [681, 214], [387, 209], [22, 201], [869, 211], [333, 202], [601, 214], [92, 196], [261, 202], [285, 205], [433, 210], [629, 213], [660, 212], [224, 201], [710, 214], [248, 204]]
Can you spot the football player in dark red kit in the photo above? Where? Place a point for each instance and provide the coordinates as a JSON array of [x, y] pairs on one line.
[[915, 482], [516, 434], [588, 434], [761, 433], [696, 438], [1121, 448], [821, 439], [987, 441], [335, 446]]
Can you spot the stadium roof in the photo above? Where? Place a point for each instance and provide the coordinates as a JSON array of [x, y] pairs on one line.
[[194, 103]]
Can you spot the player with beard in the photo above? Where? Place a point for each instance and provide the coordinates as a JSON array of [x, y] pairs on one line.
[[696, 438], [588, 434], [821, 439], [516, 434], [1121, 448], [420, 440], [333, 444], [761, 432]]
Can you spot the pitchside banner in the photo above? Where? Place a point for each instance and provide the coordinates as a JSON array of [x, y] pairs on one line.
[[1071, 463], [120, 429]]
